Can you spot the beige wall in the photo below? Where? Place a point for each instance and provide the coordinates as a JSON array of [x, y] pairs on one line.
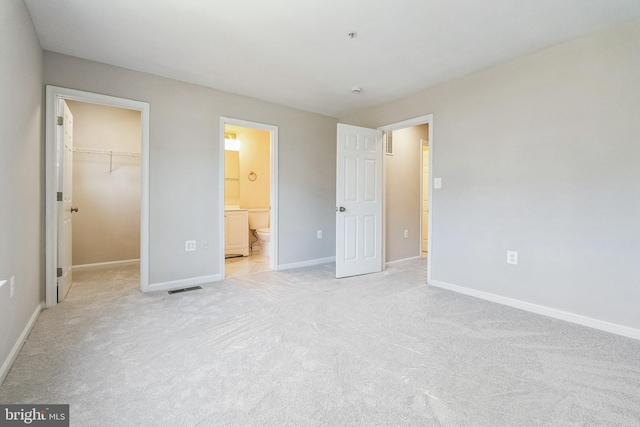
[[540, 155], [185, 158], [21, 176], [106, 227], [403, 193], [254, 155]]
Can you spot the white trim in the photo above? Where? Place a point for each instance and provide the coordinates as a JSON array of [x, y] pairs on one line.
[[273, 194], [424, 143], [184, 283], [430, 203], [421, 195], [309, 263], [404, 259], [545, 311], [416, 121], [101, 264], [53, 94], [11, 357], [384, 211]]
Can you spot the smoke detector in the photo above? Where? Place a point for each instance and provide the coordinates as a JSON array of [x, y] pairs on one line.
[[356, 90]]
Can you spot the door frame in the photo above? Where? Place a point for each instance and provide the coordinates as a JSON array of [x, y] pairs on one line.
[[416, 121], [422, 145], [53, 94], [273, 190]]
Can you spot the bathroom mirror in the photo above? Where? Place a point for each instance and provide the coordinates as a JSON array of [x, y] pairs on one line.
[[231, 176]]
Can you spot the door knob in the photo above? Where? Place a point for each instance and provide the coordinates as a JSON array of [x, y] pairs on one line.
[[74, 209], [341, 209]]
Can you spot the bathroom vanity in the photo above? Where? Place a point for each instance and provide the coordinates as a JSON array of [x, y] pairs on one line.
[[236, 231]]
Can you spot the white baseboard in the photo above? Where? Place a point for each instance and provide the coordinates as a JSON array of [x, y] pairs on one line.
[[403, 260], [545, 311], [309, 263], [6, 366], [184, 283], [100, 264]]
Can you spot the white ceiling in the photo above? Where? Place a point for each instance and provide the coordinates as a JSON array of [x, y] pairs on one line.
[[298, 53]]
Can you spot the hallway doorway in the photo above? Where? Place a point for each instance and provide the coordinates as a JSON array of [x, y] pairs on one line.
[[408, 185]]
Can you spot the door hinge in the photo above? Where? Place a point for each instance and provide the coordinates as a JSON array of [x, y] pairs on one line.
[[60, 121], [59, 272], [59, 196]]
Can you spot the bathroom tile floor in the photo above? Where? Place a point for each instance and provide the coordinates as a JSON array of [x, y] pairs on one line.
[[254, 263]]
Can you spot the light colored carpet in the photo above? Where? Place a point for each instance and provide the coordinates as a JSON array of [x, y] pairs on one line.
[[301, 348]]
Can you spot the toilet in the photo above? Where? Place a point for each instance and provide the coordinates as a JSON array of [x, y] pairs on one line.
[[259, 226], [264, 234]]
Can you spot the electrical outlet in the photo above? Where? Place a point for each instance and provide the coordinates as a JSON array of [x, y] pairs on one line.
[[406, 233], [190, 245], [512, 257], [12, 281], [205, 245], [319, 234]]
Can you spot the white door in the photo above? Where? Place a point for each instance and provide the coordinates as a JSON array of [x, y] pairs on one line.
[[65, 169], [358, 201]]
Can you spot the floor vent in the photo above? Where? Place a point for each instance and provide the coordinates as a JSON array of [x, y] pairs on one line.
[[177, 291]]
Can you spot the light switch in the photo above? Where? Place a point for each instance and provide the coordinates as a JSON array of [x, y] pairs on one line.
[[437, 183]]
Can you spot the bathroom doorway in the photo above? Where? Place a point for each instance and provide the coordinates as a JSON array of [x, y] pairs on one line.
[[249, 196]]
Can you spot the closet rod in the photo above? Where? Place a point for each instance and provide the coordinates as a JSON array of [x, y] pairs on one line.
[[107, 152]]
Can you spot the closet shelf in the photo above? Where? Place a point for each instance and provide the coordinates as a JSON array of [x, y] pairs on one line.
[[109, 153]]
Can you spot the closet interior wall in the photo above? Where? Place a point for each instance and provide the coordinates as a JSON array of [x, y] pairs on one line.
[[106, 183]]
